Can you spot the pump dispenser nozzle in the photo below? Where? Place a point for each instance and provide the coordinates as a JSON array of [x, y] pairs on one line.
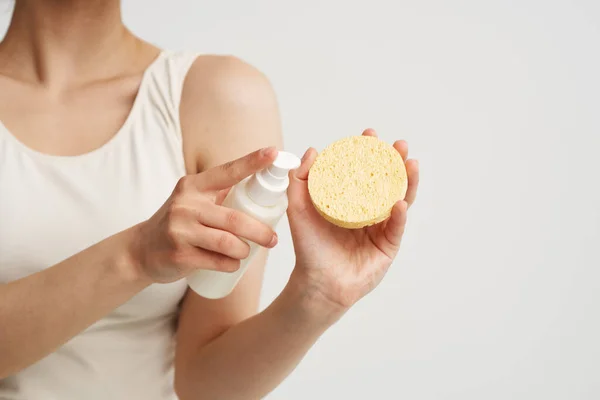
[[266, 186], [283, 164]]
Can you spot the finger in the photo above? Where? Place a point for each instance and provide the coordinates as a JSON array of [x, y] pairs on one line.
[[402, 147], [412, 171], [220, 197], [307, 161], [239, 224], [218, 241], [369, 132], [394, 228], [216, 261], [231, 173]]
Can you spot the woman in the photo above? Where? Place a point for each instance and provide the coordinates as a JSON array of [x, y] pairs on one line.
[[99, 131]]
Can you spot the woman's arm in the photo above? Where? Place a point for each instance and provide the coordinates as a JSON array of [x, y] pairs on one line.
[[250, 359], [42, 311], [228, 108], [225, 350]]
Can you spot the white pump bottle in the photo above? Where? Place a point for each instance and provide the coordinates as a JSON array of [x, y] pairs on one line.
[[261, 196]]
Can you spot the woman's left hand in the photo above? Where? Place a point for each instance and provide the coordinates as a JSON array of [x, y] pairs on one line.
[[336, 267]]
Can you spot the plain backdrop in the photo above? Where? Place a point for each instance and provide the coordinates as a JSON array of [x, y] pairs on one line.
[[496, 293]]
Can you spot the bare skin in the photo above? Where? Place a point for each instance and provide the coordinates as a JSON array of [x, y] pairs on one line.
[[75, 67]]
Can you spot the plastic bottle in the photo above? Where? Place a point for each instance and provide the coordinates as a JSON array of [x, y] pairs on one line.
[[263, 197]]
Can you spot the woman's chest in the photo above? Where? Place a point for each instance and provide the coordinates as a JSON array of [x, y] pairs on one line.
[[76, 122], [48, 214]]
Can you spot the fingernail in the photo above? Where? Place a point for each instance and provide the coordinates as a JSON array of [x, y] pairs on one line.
[[273, 241], [267, 151]]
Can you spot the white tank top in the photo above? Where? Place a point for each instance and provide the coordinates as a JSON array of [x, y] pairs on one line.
[[52, 207]]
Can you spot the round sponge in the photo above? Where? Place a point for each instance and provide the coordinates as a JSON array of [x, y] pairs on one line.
[[356, 181]]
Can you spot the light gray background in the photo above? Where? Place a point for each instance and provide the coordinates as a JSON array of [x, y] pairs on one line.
[[495, 294]]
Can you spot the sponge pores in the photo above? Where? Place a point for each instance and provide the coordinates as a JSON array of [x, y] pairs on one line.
[[355, 181]]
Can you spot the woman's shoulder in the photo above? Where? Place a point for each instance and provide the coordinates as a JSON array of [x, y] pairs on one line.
[[225, 78], [228, 108]]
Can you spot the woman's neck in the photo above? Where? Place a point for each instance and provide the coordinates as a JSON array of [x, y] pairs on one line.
[[61, 42]]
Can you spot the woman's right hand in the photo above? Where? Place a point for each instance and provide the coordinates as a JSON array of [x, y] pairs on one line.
[[193, 231]]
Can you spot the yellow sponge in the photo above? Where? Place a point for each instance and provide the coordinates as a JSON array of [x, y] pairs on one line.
[[356, 181]]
